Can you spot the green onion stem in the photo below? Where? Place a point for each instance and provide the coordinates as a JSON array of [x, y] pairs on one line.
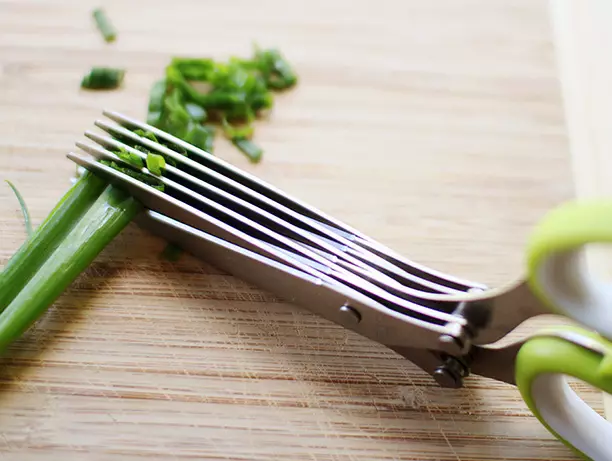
[[104, 24], [48, 236], [86, 238], [103, 78]]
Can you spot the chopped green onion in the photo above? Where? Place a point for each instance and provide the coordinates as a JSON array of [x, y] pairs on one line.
[[262, 101], [176, 118], [142, 177], [103, 78], [130, 157], [196, 112], [24, 208], [156, 102], [104, 25], [146, 134], [202, 137], [245, 131], [250, 149], [276, 70], [155, 163], [231, 93], [194, 69]]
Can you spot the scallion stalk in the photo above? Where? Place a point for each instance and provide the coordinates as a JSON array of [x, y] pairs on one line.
[[112, 210], [48, 236]]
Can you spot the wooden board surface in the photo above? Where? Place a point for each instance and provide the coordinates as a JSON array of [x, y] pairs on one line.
[[436, 127]]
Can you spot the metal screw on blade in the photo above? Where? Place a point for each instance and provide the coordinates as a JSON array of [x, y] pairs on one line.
[[350, 316], [451, 373]]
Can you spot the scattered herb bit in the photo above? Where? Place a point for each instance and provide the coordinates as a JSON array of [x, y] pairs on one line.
[[175, 117], [155, 163], [233, 132], [104, 25], [197, 70], [171, 252], [103, 78], [156, 102], [276, 70], [197, 113], [232, 93], [24, 208], [201, 136], [250, 149]]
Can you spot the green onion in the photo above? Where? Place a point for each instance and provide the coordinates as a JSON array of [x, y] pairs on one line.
[[156, 102], [146, 134], [80, 226], [276, 70], [130, 157], [112, 210], [202, 90], [194, 69], [24, 208], [245, 131], [202, 137], [251, 150], [155, 163], [103, 78], [196, 112], [34, 252], [104, 25], [142, 177]]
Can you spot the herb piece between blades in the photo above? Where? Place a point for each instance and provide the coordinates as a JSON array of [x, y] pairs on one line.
[[198, 94]]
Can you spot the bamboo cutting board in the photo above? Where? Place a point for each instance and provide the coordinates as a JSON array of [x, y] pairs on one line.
[[436, 127]]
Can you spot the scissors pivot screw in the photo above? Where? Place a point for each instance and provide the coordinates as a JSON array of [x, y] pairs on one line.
[[451, 373]]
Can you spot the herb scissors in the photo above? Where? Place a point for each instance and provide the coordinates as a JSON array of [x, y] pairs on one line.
[[447, 326]]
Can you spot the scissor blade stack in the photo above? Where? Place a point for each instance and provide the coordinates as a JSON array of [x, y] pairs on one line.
[[207, 194]]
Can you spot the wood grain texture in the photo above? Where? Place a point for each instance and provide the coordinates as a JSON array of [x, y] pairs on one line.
[[436, 127]]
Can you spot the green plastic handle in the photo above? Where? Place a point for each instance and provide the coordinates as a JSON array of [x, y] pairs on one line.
[[556, 271], [541, 366], [557, 275]]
